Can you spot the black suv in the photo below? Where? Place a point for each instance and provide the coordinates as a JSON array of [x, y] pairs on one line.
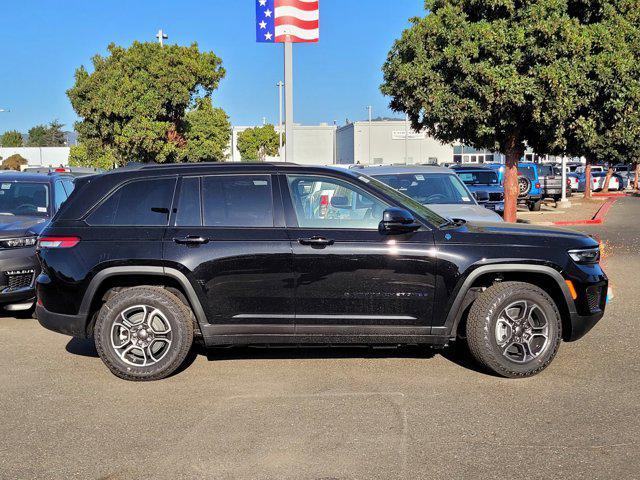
[[145, 260]]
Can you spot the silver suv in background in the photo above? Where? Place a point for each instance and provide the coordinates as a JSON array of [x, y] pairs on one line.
[[438, 187]]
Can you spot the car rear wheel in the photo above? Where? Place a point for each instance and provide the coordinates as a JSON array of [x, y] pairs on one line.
[[514, 329], [535, 206], [143, 333]]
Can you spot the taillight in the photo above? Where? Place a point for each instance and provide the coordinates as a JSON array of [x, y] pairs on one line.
[[58, 242], [61, 169], [537, 185]]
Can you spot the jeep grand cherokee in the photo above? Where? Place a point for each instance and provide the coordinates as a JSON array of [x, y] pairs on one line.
[[146, 260]]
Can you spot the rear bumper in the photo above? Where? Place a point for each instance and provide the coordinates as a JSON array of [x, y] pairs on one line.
[[73, 325]]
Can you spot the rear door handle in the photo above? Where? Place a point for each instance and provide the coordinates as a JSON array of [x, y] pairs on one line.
[[316, 241], [191, 240]]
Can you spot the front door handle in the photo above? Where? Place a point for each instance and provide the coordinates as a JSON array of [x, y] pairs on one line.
[[316, 241], [191, 240]]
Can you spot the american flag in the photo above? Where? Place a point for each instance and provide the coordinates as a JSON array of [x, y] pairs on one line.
[[287, 21]]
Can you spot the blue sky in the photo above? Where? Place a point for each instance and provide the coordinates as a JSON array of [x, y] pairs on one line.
[[42, 43]]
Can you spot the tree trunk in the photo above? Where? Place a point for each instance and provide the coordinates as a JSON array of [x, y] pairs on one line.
[[607, 179], [635, 180], [511, 190], [587, 180]]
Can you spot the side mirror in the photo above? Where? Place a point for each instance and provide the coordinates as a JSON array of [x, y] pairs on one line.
[[396, 221], [481, 196], [340, 202]]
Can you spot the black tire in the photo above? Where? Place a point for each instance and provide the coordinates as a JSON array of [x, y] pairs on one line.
[[172, 313], [535, 206], [482, 328]]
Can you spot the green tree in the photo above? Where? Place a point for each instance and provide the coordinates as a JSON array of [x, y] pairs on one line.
[[14, 162], [50, 135], [87, 155], [37, 136], [134, 101], [207, 132], [606, 126], [12, 138], [254, 144], [496, 75]]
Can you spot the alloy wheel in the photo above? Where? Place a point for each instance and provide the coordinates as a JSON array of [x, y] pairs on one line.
[[522, 331], [141, 336]]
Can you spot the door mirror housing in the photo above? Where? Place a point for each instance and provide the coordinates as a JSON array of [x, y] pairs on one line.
[[397, 221], [481, 196]]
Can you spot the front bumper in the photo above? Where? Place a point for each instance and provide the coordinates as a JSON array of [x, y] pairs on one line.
[[73, 325], [18, 270], [580, 325]]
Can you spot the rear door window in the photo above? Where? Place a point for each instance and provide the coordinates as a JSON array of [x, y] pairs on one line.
[[189, 207], [59, 193], [141, 202], [237, 201]]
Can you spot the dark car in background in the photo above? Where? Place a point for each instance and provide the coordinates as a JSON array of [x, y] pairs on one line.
[[484, 184], [27, 204], [146, 260], [438, 188]]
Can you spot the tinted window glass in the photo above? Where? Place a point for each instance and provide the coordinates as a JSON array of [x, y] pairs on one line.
[[24, 198], [478, 177], [321, 202], [59, 193], [237, 201], [527, 171], [141, 202], [429, 188], [68, 186], [189, 209]]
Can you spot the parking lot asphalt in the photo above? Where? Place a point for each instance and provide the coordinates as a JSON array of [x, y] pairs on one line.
[[342, 413]]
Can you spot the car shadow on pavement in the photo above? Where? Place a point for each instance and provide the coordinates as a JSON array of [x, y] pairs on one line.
[[82, 346], [459, 354]]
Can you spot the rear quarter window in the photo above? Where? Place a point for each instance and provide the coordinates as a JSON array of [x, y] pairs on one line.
[[144, 202]]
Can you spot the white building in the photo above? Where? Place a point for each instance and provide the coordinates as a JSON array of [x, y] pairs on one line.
[[39, 156], [386, 141], [313, 144]]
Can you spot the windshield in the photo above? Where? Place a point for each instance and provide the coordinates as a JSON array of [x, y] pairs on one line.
[[479, 178], [431, 216], [24, 198], [438, 188]]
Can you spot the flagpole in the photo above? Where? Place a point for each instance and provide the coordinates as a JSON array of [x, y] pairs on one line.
[[288, 101]]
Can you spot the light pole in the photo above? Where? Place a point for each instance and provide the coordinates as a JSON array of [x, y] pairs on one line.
[[369, 107], [280, 84], [161, 36], [406, 138]]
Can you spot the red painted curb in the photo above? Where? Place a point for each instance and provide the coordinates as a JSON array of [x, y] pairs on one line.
[[610, 194], [597, 218]]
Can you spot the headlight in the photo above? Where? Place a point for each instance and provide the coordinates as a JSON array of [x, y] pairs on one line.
[[585, 255], [18, 242]]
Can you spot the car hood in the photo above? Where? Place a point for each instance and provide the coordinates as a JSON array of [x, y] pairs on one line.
[[516, 234], [470, 213], [17, 225]]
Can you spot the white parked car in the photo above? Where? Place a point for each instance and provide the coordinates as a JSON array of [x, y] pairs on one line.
[[597, 182]]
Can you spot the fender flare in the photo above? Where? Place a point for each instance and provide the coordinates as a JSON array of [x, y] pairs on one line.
[[180, 277], [457, 307]]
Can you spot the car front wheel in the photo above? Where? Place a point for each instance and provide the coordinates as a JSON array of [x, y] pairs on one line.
[[514, 329], [143, 333]]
